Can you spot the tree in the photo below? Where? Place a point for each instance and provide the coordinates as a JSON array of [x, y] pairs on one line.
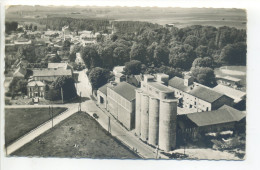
[[170, 71], [204, 75], [161, 55], [138, 52], [133, 67], [90, 57], [182, 56], [201, 51], [35, 28], [192, 41], [66, 45], [121, 55], [233, 54], [203, 62], [67, 84], [18, 85], [55, 59], [98, 77]]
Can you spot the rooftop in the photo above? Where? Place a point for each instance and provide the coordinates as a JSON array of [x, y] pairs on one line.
[[57, 65], [178, 83], [34, 83], [51, 72], [205, 94], [237, 95], [125, 90], [225, 114], [230, 78], [160, 87], [103, 89]]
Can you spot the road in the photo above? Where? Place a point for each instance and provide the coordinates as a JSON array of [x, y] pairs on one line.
[[118, 131], [84, 87]]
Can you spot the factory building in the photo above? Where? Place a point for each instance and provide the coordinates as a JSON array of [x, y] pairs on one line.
[[120, 102], [156, 111]]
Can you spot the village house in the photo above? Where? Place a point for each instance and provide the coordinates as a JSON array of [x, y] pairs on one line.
[[196, 97], [35, 89], [50, 74], [118, 69]]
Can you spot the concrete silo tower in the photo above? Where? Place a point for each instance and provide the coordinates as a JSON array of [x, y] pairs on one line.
[[138, 95], [153, 136], [167, 124], [144, 116]]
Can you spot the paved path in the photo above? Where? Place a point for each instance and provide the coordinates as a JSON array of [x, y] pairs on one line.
[[39, 130]]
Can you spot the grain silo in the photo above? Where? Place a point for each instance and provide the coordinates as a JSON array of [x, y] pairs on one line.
[[138, 94], [144, 116], [153, 121], [167, 124]]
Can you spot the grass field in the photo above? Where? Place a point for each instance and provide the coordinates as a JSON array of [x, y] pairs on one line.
[[79, 136], [20, 121]]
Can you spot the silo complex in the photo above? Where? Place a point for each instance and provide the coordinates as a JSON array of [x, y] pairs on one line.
[[138, 95], [167, 124], [153, 121], [156, 112], [144, 116]]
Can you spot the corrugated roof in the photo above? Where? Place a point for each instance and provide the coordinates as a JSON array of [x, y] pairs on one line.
[[125, 90], [178, 83], [230, 92], [103, 89], [34, 83], [205, 94], [52, 72], [225, 114]]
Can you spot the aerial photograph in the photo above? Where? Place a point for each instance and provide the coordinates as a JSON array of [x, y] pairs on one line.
[[125, 82]]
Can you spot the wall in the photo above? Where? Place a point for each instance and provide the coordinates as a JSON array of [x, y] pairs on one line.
[[99, 95], [224, 100]]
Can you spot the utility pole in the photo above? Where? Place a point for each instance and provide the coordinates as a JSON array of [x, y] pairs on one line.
[[79, 103], [109, 126], [61, 94], [156, 151], [52, 116]]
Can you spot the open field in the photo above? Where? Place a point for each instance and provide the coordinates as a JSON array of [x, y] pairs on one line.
[[181, 17], [79, 136], [20, 121]]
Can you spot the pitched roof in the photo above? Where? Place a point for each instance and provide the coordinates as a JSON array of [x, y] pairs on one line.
[[34, 83], [160, 87], [103, 89], [178, 83], [20, 72], [125, 90], [205, 94], [225, 114], [52, 72], [57, 65], [230, 78], [237, 95]]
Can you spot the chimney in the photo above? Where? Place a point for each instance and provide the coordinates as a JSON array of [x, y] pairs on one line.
[[188, 80]]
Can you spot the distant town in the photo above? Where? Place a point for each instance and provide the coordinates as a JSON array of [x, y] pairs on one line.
[[101, 88]]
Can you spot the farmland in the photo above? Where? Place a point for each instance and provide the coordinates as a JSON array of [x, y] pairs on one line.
[[20, 121], [181, 17]]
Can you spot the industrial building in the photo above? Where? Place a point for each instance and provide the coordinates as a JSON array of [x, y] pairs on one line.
[[156, 111], [119, 99], [196, 97]]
